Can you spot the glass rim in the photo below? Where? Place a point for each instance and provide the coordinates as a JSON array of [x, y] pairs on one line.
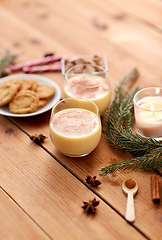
[[89, 73], [85, 99], [142, 90]]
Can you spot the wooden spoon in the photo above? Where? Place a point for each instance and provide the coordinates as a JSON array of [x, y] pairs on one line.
[[130, 188]]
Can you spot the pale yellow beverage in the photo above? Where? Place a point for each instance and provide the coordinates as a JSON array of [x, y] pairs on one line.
[[92, 86], [75, 132]]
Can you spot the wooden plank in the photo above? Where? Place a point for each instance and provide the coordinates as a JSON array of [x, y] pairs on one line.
[[125, 42], [15, 224], [26, 37], [147, 10], [47, 192], [111, 188]]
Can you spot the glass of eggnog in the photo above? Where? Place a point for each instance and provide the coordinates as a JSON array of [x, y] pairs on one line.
[[90, 82], [75, 127]]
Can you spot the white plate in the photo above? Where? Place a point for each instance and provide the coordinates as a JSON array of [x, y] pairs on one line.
[[41, 80]]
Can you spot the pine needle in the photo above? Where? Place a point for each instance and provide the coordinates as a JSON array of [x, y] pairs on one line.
[[119, 119], [5, 61]]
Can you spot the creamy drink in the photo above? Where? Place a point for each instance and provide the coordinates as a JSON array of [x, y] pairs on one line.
[[75, 131], [92, 86]]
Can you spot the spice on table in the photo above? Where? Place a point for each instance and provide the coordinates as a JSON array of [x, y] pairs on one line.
[[93, 181], [48, 54], [90, 207], [99, 25], [38, 138], [155, 190]]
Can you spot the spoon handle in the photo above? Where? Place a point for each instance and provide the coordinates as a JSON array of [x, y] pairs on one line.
[[130, 212]]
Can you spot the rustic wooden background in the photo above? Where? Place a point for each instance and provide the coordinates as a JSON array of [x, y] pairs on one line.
[[41, 191]]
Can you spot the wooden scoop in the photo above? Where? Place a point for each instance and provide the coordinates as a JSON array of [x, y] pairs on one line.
[[130, 188]]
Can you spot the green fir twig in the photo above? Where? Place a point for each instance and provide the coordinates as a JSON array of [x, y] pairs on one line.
[[119, 119], [5, 61], [150, 161]]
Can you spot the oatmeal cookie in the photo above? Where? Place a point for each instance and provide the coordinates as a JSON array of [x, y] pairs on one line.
[[7, 93], [24, 102], [42, 103], [15, 81], [26, 84], [34, 84], [45, 91]]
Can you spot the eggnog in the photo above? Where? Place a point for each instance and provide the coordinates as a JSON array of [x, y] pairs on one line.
[[75, 131], [89, 86]]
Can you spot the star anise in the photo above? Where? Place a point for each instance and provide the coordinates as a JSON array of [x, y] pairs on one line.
[[90, 207], [93, 181], [38, 138], [49, 54]]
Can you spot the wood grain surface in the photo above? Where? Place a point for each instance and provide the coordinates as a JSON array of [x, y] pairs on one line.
[[41, 190], [47, 192]]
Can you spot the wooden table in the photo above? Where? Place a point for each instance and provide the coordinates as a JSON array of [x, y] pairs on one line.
[[42, 191]]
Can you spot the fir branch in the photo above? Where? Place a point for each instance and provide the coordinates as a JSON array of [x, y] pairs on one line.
[[119, 119], [151, 161], [5, 61]]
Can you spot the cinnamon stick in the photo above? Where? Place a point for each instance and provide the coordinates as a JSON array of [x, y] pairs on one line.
[[155, 190]]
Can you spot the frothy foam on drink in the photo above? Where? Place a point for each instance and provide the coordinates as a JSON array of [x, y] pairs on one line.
[[87, 86], [75, 123]]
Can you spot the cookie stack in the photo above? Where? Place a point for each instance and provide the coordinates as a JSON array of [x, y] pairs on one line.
[[24, 95]]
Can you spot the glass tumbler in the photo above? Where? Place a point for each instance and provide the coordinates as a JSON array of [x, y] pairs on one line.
[[75, 127], [90, 82], [148, 112]]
